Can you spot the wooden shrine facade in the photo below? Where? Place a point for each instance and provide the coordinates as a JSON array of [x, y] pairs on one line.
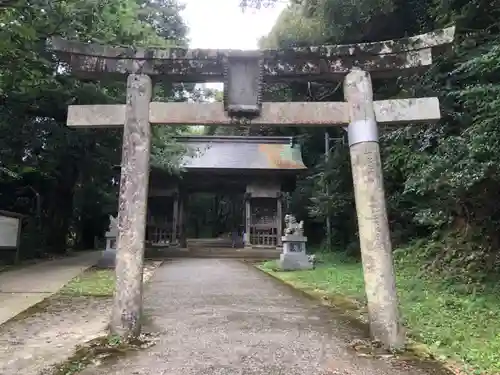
[[259, 169]]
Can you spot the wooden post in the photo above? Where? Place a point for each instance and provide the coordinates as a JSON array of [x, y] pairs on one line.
[[279, 218], [374, 235], [127, 306], [328, 224], [175, 218], [248, 221], [181, 220]]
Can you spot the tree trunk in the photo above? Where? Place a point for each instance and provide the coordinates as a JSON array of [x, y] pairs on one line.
[[60, 210]]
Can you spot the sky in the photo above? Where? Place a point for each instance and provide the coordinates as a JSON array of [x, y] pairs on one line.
[[222, 24]]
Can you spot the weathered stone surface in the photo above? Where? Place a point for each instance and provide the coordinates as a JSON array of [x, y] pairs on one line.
[[108, 256], [294, 255], [294, 261], [293, 229], [273, 114], [295, 242], [394, 111], [417, 42], [428, 40], [309, 63], [127, 306], [112, 232], [243, 85], [374, 234], [108, 115], [107, 259], [386, 65]]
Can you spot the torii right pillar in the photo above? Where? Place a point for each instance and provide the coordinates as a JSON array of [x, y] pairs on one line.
[[374, 234]]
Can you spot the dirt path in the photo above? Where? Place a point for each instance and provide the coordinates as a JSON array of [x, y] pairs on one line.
[[49, 333], [225, 317], [27, 286], [49, 336]]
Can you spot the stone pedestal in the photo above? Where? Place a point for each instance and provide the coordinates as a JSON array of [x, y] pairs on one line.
[[108, 256], [294, 255]]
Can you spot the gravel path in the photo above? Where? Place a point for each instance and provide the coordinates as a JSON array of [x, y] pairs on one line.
[[225, 317]]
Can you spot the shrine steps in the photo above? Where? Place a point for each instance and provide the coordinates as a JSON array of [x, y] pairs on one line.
[[214, 252], [201, 243]]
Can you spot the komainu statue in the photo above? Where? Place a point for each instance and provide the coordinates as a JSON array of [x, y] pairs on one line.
[[292, 227], [113, 225]]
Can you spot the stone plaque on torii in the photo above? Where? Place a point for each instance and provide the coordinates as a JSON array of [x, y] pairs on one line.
[[243, 73]]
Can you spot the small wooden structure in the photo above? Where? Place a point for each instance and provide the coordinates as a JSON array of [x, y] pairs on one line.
[[258, 168]]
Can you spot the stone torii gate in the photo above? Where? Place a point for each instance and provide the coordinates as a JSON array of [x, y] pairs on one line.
[[243, 73]]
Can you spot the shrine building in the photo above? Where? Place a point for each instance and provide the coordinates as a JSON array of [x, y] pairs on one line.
[[257, 169]]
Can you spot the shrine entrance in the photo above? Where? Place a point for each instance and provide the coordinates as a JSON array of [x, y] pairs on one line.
[[243, 73], [246, 178], [216, 216]]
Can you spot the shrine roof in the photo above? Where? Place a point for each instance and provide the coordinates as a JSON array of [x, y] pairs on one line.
[[241, 153]]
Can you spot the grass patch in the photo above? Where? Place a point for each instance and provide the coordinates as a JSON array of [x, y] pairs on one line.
[[97, 282], [93, 282], [454, 325]]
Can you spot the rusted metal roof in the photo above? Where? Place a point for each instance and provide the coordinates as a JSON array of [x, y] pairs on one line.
[[244, 153]]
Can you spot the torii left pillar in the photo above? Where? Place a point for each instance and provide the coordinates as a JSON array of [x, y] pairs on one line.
[[127, 305]]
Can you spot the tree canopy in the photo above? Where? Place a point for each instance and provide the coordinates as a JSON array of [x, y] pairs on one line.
[[65, 181], [440, 179]]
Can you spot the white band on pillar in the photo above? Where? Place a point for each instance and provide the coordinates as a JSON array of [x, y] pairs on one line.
[[362, 131]]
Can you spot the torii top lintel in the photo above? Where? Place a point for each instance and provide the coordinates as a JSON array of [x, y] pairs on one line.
[[327, 62]]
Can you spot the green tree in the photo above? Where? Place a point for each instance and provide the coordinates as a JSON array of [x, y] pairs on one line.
[[441, 177], [71, 174]]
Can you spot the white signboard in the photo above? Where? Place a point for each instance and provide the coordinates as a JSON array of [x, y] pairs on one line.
[[9, 229]]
